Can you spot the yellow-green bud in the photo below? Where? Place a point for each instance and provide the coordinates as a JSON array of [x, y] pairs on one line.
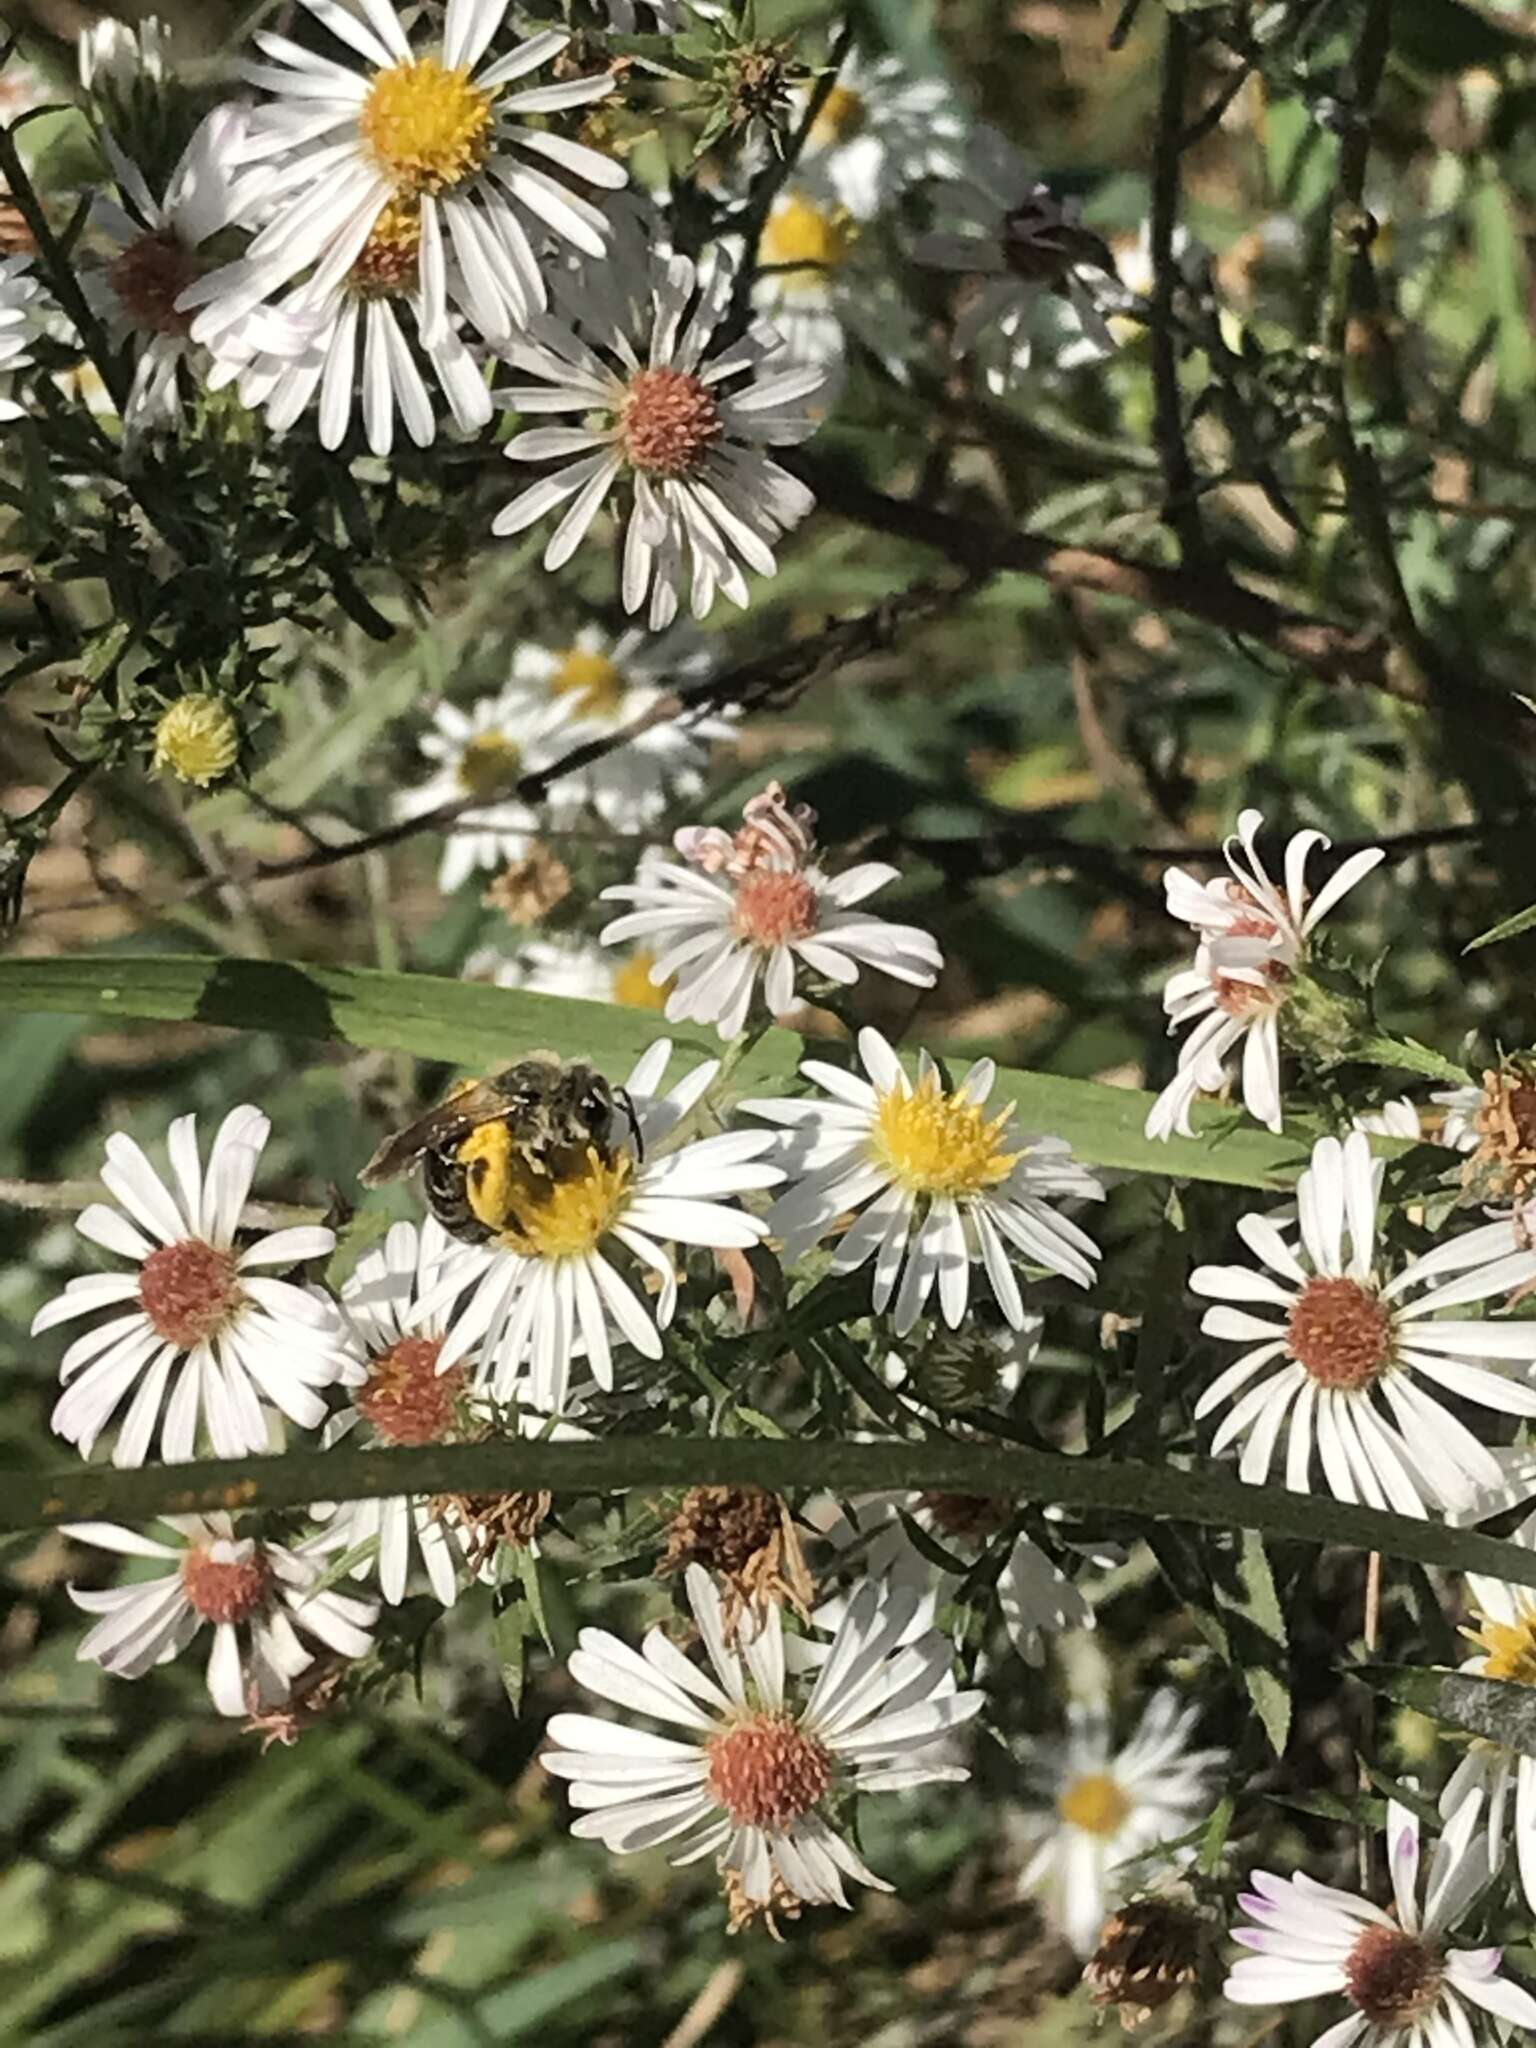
[[197, 739]]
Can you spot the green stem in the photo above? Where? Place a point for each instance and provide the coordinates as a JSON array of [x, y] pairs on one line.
[[1202, 1493]]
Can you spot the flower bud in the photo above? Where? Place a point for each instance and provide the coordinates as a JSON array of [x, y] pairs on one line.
[[197, 739]]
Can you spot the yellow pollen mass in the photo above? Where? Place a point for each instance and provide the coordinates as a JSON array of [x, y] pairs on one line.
[[596, 683], [489, 765], [633, 986], [800, 232], [842, 115], [1508, 1646], [387, 265], [563, 1219], [1094, 1803], [426, 126], [936, 1144]]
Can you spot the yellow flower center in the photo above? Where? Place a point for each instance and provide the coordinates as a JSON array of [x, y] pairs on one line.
[[800, 233], [387, 265], [1508, 1647], [936, 1144], [842, 116], [1094, 1803], [632, 983], [596, 683], [564, 1219], [425, 125], [489, 765], [197, 739]]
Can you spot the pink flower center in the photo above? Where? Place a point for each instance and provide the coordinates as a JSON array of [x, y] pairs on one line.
[[774, 909], [149, 277], [766, 1771], [225, 1591], [188, 1291], [1393, 1977], [1247, 998], [1340, 1333], [669, 422], [407, 1400]]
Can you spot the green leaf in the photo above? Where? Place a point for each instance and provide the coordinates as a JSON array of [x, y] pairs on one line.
[[1501, 1711], [1256, 1632], [509, 1638], [1407, 1056], [1511, 928], [1506, 284], [481, 1028]]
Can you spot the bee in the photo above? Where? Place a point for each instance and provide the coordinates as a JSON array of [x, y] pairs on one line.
[[486, 1140]]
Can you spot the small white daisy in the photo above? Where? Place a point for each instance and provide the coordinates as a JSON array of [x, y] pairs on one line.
[[676, 420], [429, 129], [1404, 1981], [1505, 1640], [615, 684], [205, 1331], [20, 324], [258, 1596], [880, 131], [1025, 252], [546, 1284], [1357, 1333], [159, 245], [753, 1777], [1102, 1806], [582, 969], [757, 905], [1254, 939], [484, 752], [119, 53], [938, 1183]]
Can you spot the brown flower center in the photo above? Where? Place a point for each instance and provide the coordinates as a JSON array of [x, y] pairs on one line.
[[774, 909], [971, 1516], [407, 1400], [1245, 998], [188, 1291], [225, 1589], [1393, 1977], [668, 423], [1340, 1333], [766, 1771], [723, 1528], [148, 278]]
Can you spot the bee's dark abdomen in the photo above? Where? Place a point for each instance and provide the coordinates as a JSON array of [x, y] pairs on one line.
[[445, 1183]]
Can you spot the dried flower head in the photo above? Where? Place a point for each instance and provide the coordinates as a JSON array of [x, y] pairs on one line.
[[746, 1537], [488, 1522], [1503, 1168], [1149, 1949]]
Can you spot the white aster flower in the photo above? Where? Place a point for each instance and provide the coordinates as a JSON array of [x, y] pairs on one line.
[[676, 421], [119, 53], [484, 752], [432, 131], [205, 1331], [1254, 939], [159, 245], [582, 969], [615, 684], [880, 131], [258, 1596], [1100, 1808], [1405, 1983], [752, 1777], [1024, 252], [1356, 1335], [757, 905], [546, 1285], [938, 1183], [20, 324], [1505, 1641]]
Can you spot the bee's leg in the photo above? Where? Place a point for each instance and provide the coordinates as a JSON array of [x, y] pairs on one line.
[[623, 1097]]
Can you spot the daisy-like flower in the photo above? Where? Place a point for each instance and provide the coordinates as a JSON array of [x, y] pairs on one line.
[[1101, 1806], [1348, 1336], [753, 1776], [938, 1183], [758, 905], [323, 344], [615, 684], [159, 245], [584, 970], [545, 1285], [1502, 1629], [204, 1330], [119, 53], [20, 324], [1254, 937], [1404, 1982], [258, 1596], [675, 419], [432, 131], [1023, 250], [879, 131], [484, 752]]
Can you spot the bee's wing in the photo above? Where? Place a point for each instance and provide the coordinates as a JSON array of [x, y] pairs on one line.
[[477, 1103]]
